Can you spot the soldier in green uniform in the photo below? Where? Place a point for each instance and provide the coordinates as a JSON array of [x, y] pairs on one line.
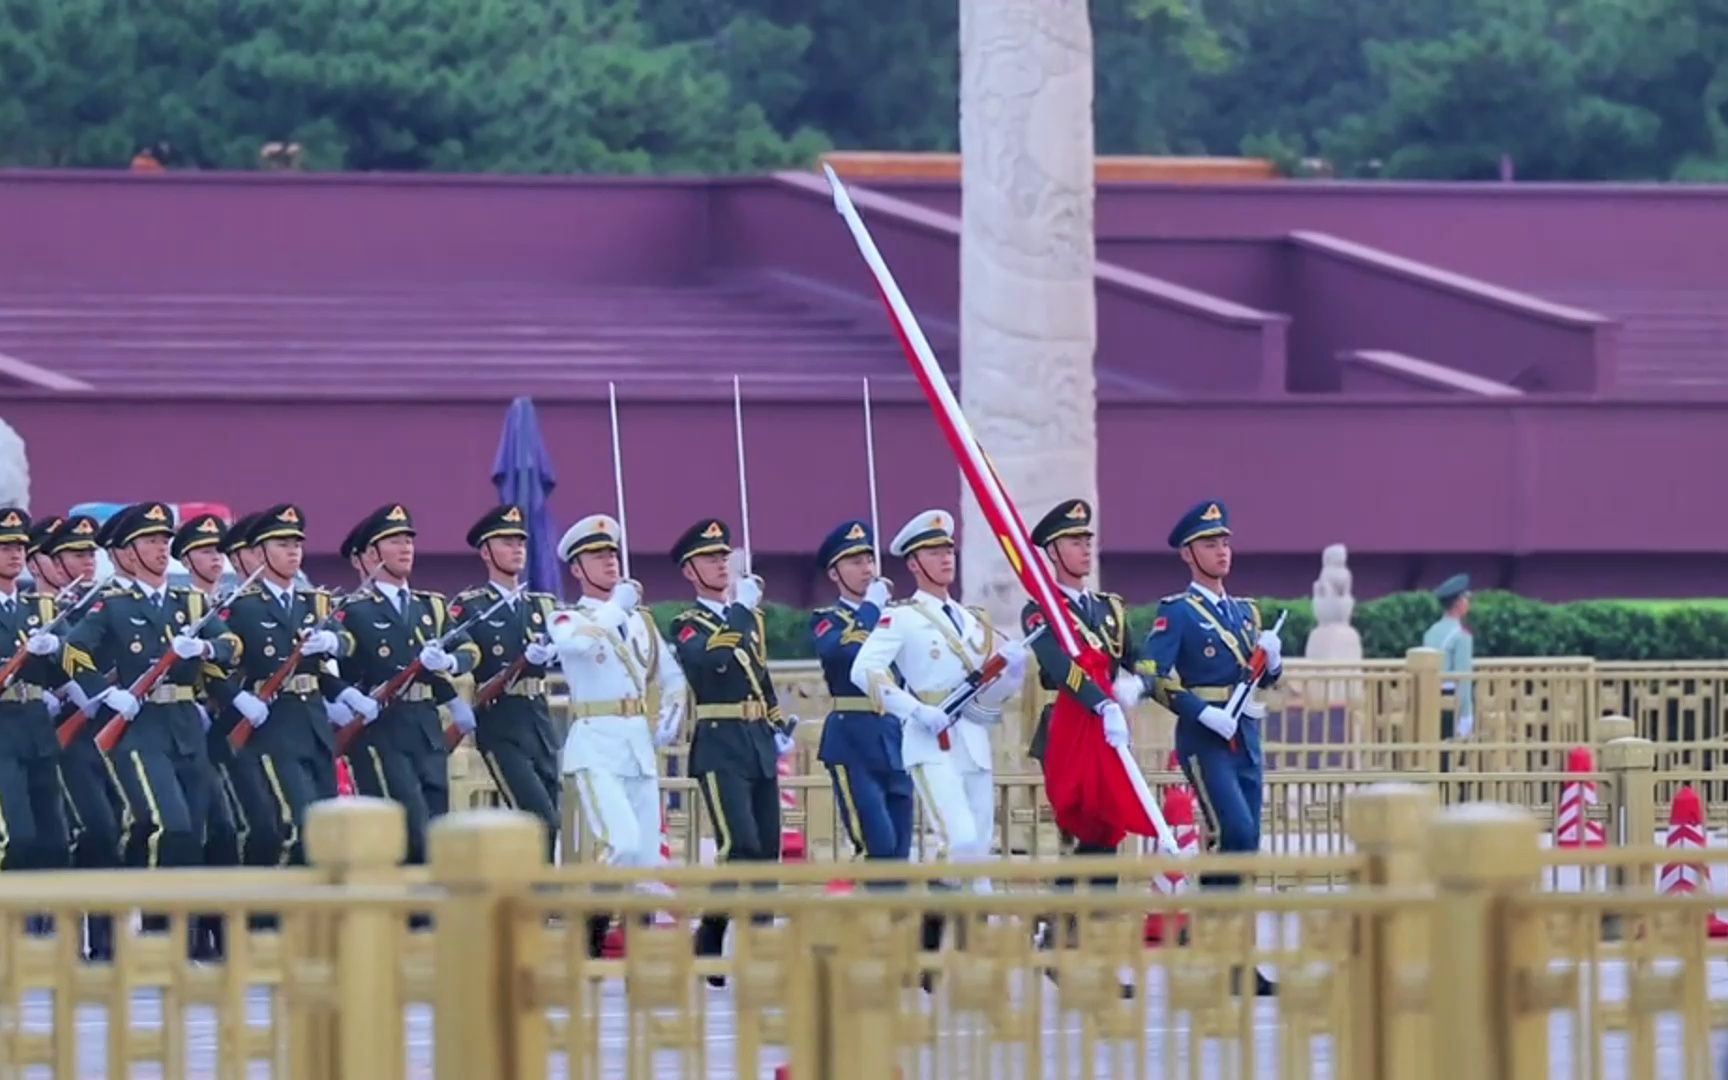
[[61, 551], [737, 735], [1457, 648], [95, 807], [160, 761], [515, 734], [32, 824], [288, 757], [400, 754]]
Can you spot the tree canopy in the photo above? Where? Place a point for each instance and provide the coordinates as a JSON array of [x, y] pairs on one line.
[[1442, 89]]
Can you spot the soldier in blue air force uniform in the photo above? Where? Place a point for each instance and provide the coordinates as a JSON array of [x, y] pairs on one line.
[[860, 745], [1197, 653]]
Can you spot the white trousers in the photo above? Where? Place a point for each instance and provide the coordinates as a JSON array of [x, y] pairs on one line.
[[961, 807], [622, 814]]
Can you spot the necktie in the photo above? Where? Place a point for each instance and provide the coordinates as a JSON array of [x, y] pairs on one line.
[[948, 609]]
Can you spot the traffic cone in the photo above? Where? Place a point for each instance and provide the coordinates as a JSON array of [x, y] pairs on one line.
[[1179, 813], [1686, 833], [344, 777], [791, 840], [1572, 825]]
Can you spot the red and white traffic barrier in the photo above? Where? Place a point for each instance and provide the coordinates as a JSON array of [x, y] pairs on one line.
[[1686, 833], [1572, 824], [791, 840], [1178, 811]]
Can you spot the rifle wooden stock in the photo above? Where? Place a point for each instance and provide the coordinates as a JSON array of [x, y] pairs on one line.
[[383, 696], [242, 730], [491, 690], [109, 736], [9, 670]]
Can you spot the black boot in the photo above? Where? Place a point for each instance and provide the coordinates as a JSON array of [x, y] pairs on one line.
[[711, 941]]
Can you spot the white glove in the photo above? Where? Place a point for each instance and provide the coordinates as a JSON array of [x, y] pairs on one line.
[[1115, 725], [624, 595], [320, 643], [1014, 655], [434, 658], [203, 715], [190, 648], [1254, 710], [747, 591], [42, 643], [1274, 650], [1128, 690], [784, 743], [357, 704], [74, 693], [51, 702], [121, 701], [249, 705], [1219, 720], [1465, 724], [877, 593], [539, 653], [671, 719], [338, 714], [935, 721], [462, 715]]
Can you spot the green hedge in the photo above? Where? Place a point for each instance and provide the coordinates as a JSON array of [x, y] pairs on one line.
[[1505, 625]]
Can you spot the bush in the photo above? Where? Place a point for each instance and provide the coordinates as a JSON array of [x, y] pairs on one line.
[[1504, 624]]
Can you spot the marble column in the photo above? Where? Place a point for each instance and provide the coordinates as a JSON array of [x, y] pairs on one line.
[[1027, 324], [14, 469]]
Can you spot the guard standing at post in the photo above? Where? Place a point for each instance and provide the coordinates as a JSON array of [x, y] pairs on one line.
[[513, 730], [160, 760], [614, 659], [860, 743], [1198, 651], [736, 737], [1457, 647], [32, 822], [400, 754]]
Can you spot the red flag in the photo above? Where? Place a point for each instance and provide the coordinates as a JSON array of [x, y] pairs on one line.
[[1102, 794]]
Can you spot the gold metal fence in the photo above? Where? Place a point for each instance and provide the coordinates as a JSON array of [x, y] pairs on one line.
[[1438, 940]]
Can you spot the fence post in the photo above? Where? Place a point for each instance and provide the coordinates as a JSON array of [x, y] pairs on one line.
[[1483, 856], [485, 1018], [362, 841], [1424, 668], [1389, 824], [1632, 763]]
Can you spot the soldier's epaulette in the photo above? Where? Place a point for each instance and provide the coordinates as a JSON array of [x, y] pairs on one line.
[[112, 589], [468, 594], [1117, 597], [253, 589], [1173, 598], [429, 594]]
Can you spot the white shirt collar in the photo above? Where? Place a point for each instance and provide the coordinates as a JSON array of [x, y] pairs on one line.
[[390, 590], [1073, 594], [712, 605], [931, 598], [1216, 598], [10, 597], [503, 594], [276, 590], [848, 604]]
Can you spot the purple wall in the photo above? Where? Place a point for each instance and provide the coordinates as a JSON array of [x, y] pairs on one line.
[[1528, 235]]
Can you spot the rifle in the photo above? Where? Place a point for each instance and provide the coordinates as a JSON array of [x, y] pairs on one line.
[[398, 682], [109, 736], [15, 663], [491, 690], [976, 682], [1256, 670], [241, 733]]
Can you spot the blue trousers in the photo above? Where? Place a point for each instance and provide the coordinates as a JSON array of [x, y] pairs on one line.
[[876, 809], [1228, 781]]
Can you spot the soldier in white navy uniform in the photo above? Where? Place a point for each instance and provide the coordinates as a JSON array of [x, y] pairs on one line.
[[611, 654], [920, 651]]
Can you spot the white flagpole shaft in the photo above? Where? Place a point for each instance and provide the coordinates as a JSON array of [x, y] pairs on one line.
[[870, 464], [1166, 838], [926, 359], [743, 482], [618, 482]]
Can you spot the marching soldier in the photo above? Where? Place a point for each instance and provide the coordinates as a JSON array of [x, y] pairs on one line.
[[513, 726], [94, 803], [400, 753], [1198, 651], [934, 644], [287, 758], [32, 824], [160, 761], [860, 743], [736, 737], [613, 655], [49, 578], [198, 545]]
